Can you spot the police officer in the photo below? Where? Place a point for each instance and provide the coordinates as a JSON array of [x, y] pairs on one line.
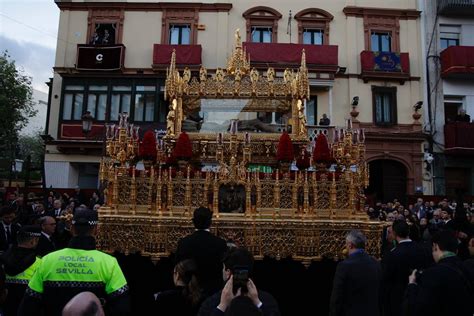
[[20, 263], [79, 267]]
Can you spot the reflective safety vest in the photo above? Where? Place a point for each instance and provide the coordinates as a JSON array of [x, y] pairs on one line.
[[25, 276], [90, 270]]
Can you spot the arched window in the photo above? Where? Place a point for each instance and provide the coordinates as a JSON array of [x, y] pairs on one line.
[[262, 24], [313, 26]]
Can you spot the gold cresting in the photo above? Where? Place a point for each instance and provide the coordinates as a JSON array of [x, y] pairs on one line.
[[302, 214]]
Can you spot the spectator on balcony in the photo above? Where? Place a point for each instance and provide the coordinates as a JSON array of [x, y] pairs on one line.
[[95, 39], [106, 39], [325, 121], [463, 117]]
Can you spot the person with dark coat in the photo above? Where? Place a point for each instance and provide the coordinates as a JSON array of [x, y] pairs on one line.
[[20, 263], [357, 281], [469, 263], [463, 117], [8, 227], [236, 272], [206, 249], [397, 266], [443, 289], [46, 243], [187, 297]]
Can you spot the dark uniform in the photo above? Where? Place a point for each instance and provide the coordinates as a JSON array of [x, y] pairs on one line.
[[20, 264], [79, 267]]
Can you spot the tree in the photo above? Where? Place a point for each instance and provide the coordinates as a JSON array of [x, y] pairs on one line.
[[16, 105]]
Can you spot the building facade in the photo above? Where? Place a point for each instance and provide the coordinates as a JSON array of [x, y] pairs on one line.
[[449, 28], [112, 58]]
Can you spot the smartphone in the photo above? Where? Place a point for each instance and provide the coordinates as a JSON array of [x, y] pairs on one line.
[[240, 279]]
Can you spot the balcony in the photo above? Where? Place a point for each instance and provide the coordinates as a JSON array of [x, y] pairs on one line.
[[100, 57], [385, 66], [322, 58], [458, 138], [186, 56], [457, 62], [456, 7]]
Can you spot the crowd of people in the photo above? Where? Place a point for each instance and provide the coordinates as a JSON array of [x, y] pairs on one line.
[[50, 264]]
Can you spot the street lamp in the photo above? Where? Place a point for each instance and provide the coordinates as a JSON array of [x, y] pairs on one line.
[[87, 120]]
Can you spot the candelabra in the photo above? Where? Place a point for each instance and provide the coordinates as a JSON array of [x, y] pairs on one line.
[[122, 141]]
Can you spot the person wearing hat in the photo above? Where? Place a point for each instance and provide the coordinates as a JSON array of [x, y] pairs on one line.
[[20, 263], [77, 268]]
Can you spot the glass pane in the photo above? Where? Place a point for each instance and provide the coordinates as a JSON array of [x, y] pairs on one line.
[[444, 43], [121, 88], [126, 98], [186, 36], [97, 88], [150, 108], [256, 36], [386, 43], [102, 107], [139, 104], [213, 115], [174, 36], [387, 108], [318, 37], [78, 106], [115, 107], [67, 108], [374, 44], [145, 88], [91, 104], [307, 37], [75, 88], [378, 109], [163, 111], [310, 112], [267, 36]]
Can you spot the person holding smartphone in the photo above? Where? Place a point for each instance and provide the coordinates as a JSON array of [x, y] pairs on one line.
[[237, 269]]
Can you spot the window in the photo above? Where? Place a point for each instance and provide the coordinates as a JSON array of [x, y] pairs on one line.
[[384, 105], [449, 36], [104, 34], [106, 99], [313, 26], [97, 101], [452, 105], [105, 27], [262, 24], [73, 101], [145, 104], [178, 26], [312, 110], [261, 34], [180, 34], [381, 42], [313, 36], [120, 103]]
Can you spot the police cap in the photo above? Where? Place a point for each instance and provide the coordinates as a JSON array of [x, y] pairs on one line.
[[84, 216]]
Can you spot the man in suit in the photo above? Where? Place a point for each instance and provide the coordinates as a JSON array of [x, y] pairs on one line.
[[357, 281], [8, 229], [205, 249], [397, 266], [46, 243], [443, 289], [57, 209], [236, 270]]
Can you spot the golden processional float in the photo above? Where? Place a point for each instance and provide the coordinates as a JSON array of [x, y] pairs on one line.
[[234, 120]]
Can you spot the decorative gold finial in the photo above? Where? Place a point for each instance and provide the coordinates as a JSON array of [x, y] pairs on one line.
[[238, 58], [303, 60], [238, 39]]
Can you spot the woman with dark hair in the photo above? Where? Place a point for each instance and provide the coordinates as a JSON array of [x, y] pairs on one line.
[[187, 297]]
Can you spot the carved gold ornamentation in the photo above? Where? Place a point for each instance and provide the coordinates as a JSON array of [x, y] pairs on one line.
[[302, 214]]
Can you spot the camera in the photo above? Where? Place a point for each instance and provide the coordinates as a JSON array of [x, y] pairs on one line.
[[240, 279]]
